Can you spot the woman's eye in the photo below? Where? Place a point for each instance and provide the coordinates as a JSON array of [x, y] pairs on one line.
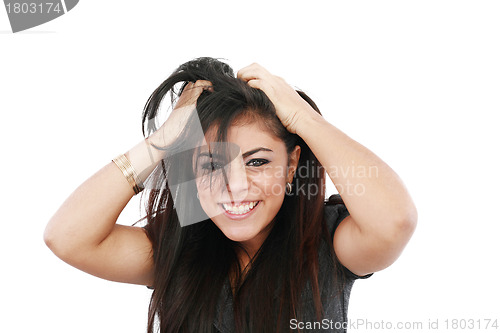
[[211, 166], [256, 162]]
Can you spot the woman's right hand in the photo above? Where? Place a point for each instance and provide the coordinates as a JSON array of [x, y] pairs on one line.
[[84, 233], [177, 120]]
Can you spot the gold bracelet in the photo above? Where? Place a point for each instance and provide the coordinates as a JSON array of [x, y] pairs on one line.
[[128, 171]]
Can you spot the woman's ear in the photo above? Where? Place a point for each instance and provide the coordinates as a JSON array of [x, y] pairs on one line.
[[293, 161]]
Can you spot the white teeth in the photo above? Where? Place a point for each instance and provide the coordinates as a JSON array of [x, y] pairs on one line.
[[239, 209]]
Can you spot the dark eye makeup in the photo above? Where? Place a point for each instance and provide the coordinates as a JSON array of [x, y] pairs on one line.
[[214, 165], [211, 166], [257, 162]]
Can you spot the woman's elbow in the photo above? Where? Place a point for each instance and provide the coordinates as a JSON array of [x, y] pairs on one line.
[[406, 223], [56, 242], [50, 238]]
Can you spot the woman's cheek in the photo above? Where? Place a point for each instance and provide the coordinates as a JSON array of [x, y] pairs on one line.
[[206, 199], [271, 185]]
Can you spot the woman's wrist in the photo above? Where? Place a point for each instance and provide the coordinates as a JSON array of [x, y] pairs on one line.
[[308, 122], [160, 138], [144, 158]]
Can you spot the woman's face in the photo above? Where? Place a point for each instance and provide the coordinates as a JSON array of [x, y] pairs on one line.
[[243, 196]]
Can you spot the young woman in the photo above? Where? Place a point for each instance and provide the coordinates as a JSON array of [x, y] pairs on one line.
[[239, 237]]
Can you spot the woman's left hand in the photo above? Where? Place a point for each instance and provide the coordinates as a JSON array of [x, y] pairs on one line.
[[290, 107]]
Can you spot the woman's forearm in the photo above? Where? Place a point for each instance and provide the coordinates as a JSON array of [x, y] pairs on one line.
[[89, 214], [375, 196]]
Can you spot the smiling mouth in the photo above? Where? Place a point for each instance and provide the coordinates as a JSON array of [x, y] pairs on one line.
[[240, 208]]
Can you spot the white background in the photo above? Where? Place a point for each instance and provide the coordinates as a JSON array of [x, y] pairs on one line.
[[417, 82]]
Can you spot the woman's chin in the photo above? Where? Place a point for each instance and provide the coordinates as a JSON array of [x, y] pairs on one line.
[[238, 235]]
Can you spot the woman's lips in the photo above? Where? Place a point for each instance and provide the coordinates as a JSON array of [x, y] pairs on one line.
[[239, 210]]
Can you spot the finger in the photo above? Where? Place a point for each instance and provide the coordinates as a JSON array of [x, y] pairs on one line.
[[253, 71], [194, 89], [248, 73], [243, 72], [191, 92], [187, 90], [262, 85], [255, 83], [197, 84], [203, 83]]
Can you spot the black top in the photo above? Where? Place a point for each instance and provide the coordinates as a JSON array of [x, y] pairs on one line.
[[334, 305]]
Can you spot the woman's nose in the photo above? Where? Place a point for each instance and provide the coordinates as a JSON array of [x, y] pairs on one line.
[[236, 180]]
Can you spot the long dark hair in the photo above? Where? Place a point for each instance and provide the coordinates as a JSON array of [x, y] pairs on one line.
[[192, 262]]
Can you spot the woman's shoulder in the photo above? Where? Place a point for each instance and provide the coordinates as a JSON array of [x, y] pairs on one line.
[[335, 211], [334, 199]]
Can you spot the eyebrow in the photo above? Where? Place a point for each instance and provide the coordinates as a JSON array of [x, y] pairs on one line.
[[246, 154], [253, 151]]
